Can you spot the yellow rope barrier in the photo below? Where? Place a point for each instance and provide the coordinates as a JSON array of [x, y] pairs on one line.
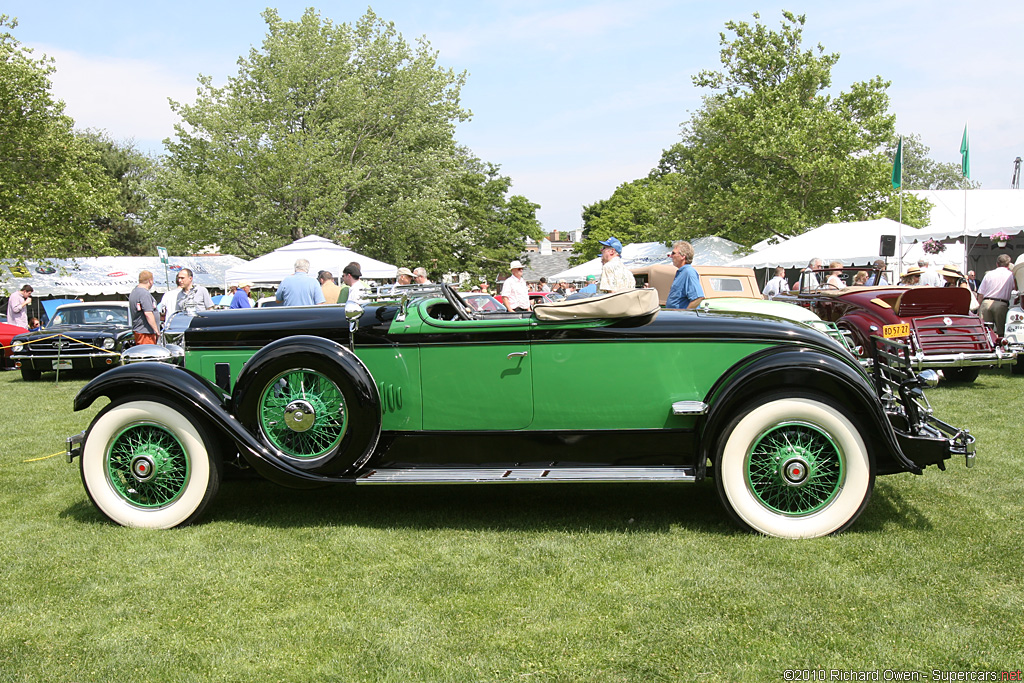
[[55, 336], [45, 457]]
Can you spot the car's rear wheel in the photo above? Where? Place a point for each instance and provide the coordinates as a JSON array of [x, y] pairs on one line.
[[793, 467], [148, 464], [960, 374]]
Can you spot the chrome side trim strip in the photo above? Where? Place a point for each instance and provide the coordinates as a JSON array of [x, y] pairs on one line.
[[689, 408], [444, 475]]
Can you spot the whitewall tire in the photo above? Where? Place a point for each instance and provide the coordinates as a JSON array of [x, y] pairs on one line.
[[145, 464], [794, 467]]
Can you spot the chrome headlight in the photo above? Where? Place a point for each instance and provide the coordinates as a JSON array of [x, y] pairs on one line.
[[17, 347], [108, 343]]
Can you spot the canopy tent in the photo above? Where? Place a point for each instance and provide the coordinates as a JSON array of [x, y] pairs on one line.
[[110, 275], [854, 244], [708, 251], [988, 212], [322, 254]]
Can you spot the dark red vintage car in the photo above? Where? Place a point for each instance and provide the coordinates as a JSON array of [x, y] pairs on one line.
[[935, 321]]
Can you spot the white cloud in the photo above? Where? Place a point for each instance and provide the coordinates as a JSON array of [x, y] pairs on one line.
[[548, 30], [125, 97]]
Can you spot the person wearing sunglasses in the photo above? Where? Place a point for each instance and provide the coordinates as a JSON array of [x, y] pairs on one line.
[[686, 291]]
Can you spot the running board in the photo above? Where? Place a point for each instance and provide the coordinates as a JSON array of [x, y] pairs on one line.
[[484, 475]]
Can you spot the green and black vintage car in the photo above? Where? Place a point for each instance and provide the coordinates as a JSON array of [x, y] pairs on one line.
[[418, 388]]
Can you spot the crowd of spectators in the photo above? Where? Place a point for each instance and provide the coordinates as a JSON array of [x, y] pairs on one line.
[[990, 296]]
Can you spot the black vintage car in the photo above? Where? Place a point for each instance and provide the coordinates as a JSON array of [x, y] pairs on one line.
[[607, 389], [81, 336]]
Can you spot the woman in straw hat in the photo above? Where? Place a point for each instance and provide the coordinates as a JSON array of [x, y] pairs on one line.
[[954, 278], [912, 277]]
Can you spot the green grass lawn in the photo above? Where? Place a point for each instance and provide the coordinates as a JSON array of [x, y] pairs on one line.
[[641, 582]]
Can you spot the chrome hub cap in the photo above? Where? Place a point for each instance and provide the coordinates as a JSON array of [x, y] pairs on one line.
[[299, 415], [143, 467], [794, 471]]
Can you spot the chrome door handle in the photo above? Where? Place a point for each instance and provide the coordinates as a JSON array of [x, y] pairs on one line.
[[514, 354]]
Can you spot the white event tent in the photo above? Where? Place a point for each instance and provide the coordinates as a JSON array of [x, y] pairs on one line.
[[322, 254], [987, 212], [110, 275], [708, 251], [854, 244]]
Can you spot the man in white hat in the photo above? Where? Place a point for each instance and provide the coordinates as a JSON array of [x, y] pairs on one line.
[[241, 297], [514, 292]]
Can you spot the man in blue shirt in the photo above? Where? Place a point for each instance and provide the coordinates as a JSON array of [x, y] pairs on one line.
[[241, 296], [300, 288], [686, 291], [879, 272]]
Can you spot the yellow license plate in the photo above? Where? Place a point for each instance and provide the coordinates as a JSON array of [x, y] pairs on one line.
[[901, 330]]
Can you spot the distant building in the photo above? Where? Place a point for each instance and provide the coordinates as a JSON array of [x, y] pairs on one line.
[[555, 242]]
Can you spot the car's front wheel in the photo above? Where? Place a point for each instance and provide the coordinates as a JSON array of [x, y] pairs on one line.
[[29, 374], [147, 464], [793, 467]]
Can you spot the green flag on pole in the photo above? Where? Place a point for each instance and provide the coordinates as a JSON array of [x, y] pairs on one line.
[[897, 166], [965, 155]]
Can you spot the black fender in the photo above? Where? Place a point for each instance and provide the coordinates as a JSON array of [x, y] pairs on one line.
[[191, 391], [328, 357], [806, 369]]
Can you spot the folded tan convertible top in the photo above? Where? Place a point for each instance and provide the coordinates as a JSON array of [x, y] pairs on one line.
[[634, 302]]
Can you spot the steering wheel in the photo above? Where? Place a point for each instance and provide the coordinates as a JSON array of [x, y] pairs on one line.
[[460, 306]]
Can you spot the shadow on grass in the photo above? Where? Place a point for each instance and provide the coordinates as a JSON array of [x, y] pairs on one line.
[[522, 507], [889, 509], [517, 507], [637, 507]]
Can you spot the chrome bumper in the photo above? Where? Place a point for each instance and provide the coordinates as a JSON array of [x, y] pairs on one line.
[[74, 445], [997, 359], [961, 441], [78, 362]]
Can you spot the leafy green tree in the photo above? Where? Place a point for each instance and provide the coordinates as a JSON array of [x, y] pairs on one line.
[[771, 151], [338, 130], [51, 181], [491, 226], [638, 211], [130, 169]]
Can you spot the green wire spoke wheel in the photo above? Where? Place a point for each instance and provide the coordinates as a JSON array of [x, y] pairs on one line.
[[303, 414], [793, 466], [147, 466], [795, 469]]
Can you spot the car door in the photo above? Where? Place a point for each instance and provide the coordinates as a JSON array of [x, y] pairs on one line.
[[476, 375]]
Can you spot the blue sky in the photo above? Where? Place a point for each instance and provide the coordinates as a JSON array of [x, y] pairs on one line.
[[571, 99]]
